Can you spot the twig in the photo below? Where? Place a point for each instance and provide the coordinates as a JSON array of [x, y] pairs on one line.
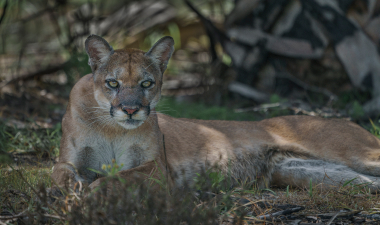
[[4, 10], [340, 214], [14, 216], [255, 219], [53, 216], [285, 74], [18, 192], [21, 214], [283, 212], [261, 107], [332, 219]]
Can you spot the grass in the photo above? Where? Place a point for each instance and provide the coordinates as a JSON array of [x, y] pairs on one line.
[[16, 191], [40, 142], [351, 197], [10, 177], [311, 187], [170, 107]]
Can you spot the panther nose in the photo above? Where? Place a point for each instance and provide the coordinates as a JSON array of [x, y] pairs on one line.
[[129, 110]]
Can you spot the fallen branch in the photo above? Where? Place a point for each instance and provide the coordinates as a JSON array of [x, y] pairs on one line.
[[288, 106], [283, 46], [263, 107], [241, 10], [280, 213], [38, 14], [338, 214], [247, 91], [308, 87], [40, 73], [332, 218]]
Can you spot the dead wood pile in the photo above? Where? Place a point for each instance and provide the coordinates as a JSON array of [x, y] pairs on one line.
[[273, 39]]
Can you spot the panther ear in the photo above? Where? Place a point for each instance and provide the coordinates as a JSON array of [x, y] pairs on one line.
[[98, 51], [161, 52]]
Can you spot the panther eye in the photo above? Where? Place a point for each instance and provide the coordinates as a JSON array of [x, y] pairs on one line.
[[113, 83], [146, 84]]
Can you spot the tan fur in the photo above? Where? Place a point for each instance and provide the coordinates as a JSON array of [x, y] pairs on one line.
[[286, 150]]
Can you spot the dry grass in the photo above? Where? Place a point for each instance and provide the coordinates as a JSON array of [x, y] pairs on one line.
[[212, 204]]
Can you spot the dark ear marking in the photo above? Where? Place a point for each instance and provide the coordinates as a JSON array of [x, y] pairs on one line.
[[161, 52], [98, 51]]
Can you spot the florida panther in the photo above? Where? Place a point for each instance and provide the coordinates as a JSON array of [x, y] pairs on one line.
[[111, 115]]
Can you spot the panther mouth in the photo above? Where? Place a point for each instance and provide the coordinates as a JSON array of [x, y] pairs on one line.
[[132, 121], [129, 121]]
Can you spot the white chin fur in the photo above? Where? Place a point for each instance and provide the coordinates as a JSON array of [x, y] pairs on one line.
[[137, 119], [130, 126]]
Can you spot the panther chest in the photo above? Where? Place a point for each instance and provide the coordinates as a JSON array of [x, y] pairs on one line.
[[127, 152]]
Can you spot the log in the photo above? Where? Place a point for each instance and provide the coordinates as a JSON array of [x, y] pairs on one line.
[[248, 92]]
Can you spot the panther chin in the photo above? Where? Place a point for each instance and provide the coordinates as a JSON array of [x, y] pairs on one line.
[[130, 123]]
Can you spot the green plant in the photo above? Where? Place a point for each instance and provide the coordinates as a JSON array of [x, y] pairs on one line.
[[275, 98], [109, 170], [375, 130], [354, 189], [213, 178], [269, 190], [162, 182], [311, 187], [287, 191], [357, 110]]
